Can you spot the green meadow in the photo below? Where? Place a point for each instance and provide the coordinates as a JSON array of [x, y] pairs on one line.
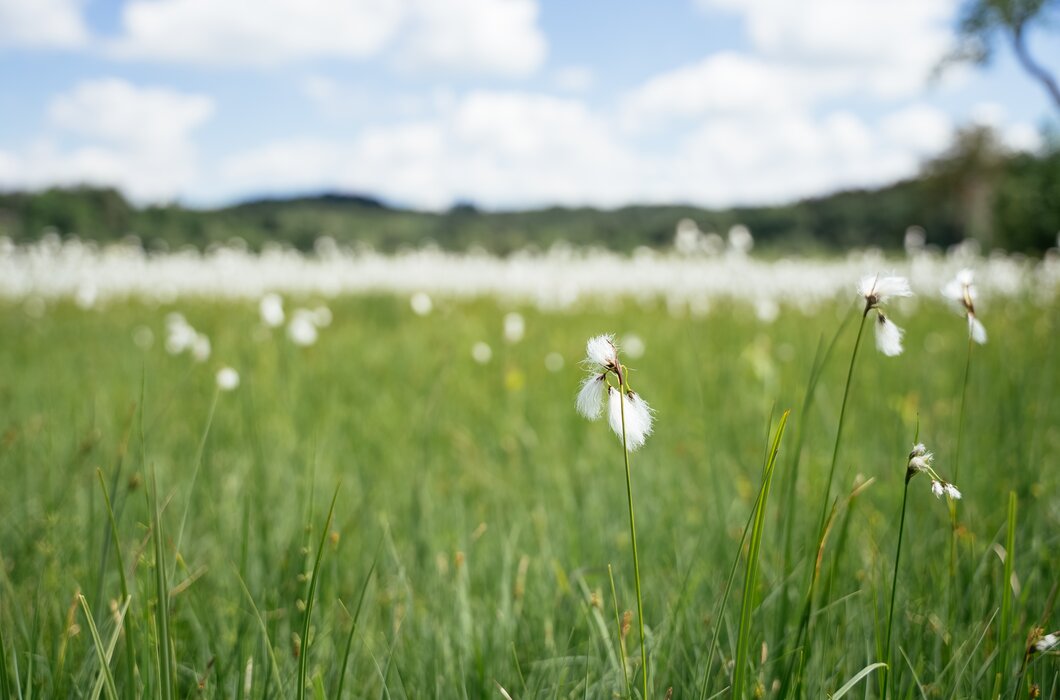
[[161, 538]]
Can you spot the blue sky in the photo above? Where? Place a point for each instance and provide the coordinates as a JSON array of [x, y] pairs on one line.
[[506, 103]]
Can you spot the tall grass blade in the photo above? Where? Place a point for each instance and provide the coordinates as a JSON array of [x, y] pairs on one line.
[[101, 653], [1003, 631], [356, 617], [130, 644], [314, 581], [118, 626], [747, 605], [849, 685]]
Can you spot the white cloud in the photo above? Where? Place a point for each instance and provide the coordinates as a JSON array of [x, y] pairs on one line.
[[574, 78], [506, 149], [130, 137], [42, 23], [476, 36]]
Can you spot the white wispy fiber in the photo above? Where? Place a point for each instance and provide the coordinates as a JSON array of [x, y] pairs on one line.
[[601, 353], [638, 417], [590, 401], [878, 289], [227, 379], [961, 291], [888, 336]]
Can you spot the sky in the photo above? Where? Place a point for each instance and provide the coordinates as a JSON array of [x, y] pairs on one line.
[[501, 103]]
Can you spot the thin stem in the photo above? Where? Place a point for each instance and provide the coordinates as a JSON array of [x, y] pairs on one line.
[[956, 478], [894, 588], [807, 611], [633, 536], [842, 420]]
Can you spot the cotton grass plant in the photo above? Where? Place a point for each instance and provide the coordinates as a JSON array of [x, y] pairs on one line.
[[630, 417]]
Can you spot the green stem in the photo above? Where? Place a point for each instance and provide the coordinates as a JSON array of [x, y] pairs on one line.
[[633, 536], [807, 612], [842, 421], [894, 588]]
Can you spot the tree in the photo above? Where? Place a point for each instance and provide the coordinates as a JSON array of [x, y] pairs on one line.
[[981, 22]]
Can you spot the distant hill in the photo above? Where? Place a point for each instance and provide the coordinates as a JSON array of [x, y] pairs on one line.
[[975, 190]]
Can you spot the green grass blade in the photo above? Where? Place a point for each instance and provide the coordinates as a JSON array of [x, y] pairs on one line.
[[618, 630], [163, 642], [314, 580], [101, 653], [356, 617], [130, 644], [100, 680], [849, 685], [1004, 624], [747, 605], [275, 666]]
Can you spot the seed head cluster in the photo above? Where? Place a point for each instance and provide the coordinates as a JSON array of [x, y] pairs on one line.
[[623, 404], [920, 460], [876, 290]]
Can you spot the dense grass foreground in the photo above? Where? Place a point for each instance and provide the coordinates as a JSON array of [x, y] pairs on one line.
[[476, 515]]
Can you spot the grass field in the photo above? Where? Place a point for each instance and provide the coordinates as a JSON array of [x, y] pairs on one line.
[[476, 513]]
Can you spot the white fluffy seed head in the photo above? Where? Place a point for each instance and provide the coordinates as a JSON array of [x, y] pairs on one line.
[[638, 417], [952, 492], [271, 309], [590, 401], [1047, 642], [976, 330], [919, 450], [936, 488], [600, 351], [877, 289], [227, 379], [888, 337]]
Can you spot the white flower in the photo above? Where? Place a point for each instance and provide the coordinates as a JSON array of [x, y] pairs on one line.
[[421, 304], [301, 330], [919, 450], [952, 492], [227, 379], [514, 327], [960, 291], [601, 352], [271, 310], [481, 352], [1047, 642], [888, 336], [638, 417], [200, 348], [322, 316], [877, 290], [590, 401], [936, 488], [633, 346]]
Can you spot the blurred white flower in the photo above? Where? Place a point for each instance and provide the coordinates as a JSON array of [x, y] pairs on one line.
[[180, 336], [633, 345], [554, 362], [481, 352], [962, 293], [514, 327], [322, 316], [227, 379], [271, 309], [590, 401], [740, 239], [1047, 642], [888, 336], [936, 488], [766, 310], [86, 296], [302, 330], [200, 348], [638, 417], [421, 304]]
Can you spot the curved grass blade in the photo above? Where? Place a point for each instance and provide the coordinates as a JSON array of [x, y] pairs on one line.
[[314, 580], [849, 685]]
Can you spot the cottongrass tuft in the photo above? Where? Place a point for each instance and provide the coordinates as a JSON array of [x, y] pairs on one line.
[[638, 416], [227, 379], [876, 290], [961, 291], [271, 310], [920, 460]]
